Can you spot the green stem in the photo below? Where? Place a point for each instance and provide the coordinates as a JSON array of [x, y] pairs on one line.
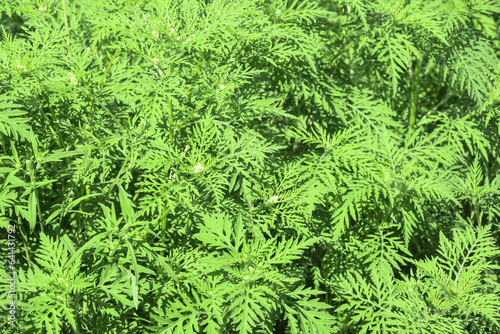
[[66, 24], [191, 114], [107, 110], [470, 115], [283, 100], [414, 94], [163, 219], [39, 210], [103, 199], [55, 120], [443, 101], [171, 118], [344, 49], [25, 242], [4, 150], [27, 253], [197, 70], [111, 61]]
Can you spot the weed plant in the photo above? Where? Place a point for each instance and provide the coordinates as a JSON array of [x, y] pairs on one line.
[[250, 166]]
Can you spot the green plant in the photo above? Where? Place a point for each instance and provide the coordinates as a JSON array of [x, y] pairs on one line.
[[250, 166]]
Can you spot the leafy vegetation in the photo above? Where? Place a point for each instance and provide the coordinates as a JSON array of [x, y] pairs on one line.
[[249, 166]]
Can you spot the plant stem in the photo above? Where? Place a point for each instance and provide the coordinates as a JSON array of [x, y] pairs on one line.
[[339, 53], [191, 114], [39, 210], [470, 115], [66, 24], [443, 101], [107, 110], [112, 59], [4, 150], [414, 94], [171, 119], [103, 199], [25, 245], [54, 120]]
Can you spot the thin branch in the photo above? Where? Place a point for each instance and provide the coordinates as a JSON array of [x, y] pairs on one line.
[[66, 24]]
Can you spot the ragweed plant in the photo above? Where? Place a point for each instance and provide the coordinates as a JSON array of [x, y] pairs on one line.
[[250, 166]]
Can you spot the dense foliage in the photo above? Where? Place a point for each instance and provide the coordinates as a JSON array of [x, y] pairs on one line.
[[250, 166]]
